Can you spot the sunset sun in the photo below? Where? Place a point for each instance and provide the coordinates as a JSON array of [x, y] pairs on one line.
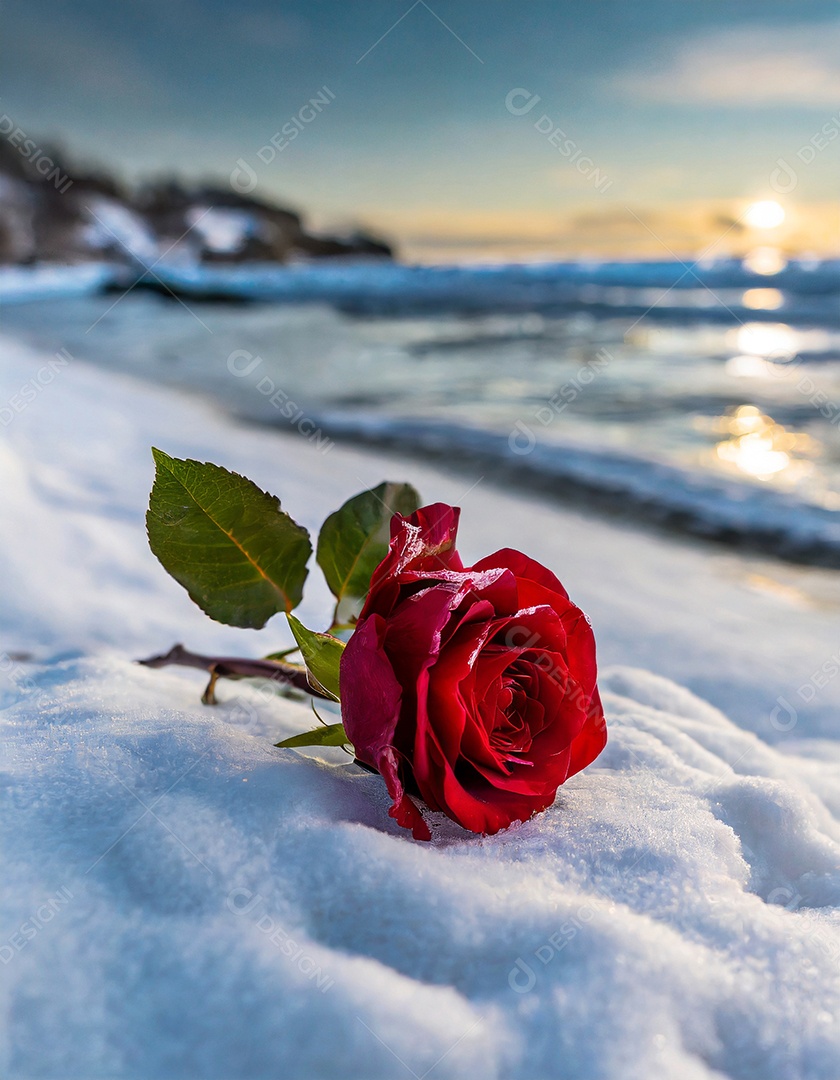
[[766, 214]]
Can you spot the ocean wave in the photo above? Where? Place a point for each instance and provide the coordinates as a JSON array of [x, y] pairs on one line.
[[804, 291], [705, 505], [727, 290]]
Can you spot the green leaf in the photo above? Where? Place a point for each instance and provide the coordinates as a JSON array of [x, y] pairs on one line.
[[282, 654], [354, 540], [329, 735], [322, 654], [239, 556]]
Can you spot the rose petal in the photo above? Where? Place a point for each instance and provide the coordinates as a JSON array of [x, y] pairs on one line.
[[592, 738], [476, 687], [427, 537], [524, 569], [403, 811]]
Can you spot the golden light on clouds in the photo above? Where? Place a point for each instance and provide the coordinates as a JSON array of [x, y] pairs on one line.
[[763, 66], [608, 229]]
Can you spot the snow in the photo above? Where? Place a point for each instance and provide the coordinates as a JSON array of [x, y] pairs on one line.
[[111, 225], [180, 899], [53, 279], [222, 229]]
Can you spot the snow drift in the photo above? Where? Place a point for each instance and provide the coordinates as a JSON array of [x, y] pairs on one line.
[[180, 899]]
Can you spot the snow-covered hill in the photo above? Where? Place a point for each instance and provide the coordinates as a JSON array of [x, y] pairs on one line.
[[57, 214]]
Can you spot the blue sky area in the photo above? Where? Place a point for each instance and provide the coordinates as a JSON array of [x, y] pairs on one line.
[[678, 112]]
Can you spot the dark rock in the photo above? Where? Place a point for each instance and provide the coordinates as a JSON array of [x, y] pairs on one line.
[[67, 214]]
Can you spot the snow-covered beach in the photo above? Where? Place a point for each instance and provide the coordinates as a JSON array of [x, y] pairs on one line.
[[487, 359], [180, 899]]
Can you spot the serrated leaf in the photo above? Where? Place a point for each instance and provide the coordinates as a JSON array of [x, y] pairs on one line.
[[328, 735], [321, 653], [354, 540], [239, 556]]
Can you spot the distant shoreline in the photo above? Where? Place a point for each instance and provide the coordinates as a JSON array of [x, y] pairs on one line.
[[564, 466], [804, 293]]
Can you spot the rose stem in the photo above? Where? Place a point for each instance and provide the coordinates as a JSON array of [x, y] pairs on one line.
[[232, 667]]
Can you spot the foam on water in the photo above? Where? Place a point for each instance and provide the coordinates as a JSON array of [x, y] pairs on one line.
[[722, 422]]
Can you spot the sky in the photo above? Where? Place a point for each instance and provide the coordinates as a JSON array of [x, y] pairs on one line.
[[461, 129]]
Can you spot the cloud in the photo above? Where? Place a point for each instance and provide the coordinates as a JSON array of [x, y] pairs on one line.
[[687, 228], [745, 66]]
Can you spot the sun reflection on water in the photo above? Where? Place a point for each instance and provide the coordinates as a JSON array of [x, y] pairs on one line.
[[761, 448], [763, 299], [764, 339], [765, 260]]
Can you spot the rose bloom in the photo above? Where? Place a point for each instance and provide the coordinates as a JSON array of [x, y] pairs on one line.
[[472, 688]]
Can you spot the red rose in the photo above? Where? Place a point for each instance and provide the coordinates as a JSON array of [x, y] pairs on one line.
[[473, 688]]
